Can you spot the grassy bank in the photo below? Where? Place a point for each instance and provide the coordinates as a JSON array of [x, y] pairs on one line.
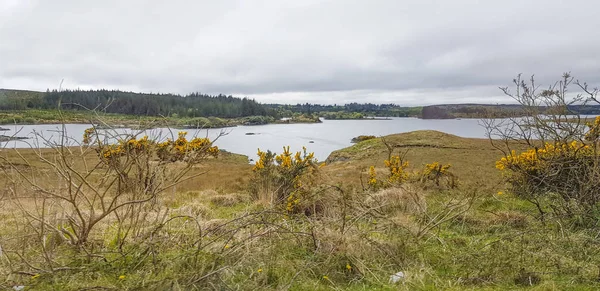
[[212, 232], [122, 120]]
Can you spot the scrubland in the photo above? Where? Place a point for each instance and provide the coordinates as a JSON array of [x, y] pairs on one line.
[[438, 210]]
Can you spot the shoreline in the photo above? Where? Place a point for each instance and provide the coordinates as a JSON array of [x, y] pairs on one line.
[[136, 126], [367, 118], [6, 138]]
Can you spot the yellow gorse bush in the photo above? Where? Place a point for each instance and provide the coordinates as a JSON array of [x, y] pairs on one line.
[[569, 170], [436, 172], [264, 158], [397, 168], [436, 168], [283, 176], [88, 135], [537, 159], [182, 149], [593, 134], [132, 146], [292, 201], [372, 177], [397, 173], [285, 160], [111, 152], [169, 150]]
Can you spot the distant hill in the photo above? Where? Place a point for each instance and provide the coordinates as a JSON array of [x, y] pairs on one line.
[[446, 111]]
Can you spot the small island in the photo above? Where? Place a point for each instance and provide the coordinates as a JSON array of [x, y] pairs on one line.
[[5, 138], [343, 115], [362, 138], [301, 118]]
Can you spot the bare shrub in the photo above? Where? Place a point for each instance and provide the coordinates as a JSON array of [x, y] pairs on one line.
[[72, 193], [558, 168]]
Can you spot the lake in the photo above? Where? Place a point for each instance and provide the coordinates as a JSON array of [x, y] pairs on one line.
[[326, 137]]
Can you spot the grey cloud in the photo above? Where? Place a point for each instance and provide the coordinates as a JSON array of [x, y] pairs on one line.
[[417, 52]]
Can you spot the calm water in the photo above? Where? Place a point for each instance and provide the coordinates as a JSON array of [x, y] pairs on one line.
[[327, 136]]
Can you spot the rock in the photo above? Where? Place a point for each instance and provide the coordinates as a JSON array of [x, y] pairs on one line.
[[19, 288], [251, 133], [362, 138], [3, 129], [4, 138], [311, 141], [397, 277]]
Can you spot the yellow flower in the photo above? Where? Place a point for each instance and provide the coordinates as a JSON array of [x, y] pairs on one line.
[[372, 176], [348, 267], [259, 271], [35, 276], [122, 277], [500, 193], [397, 169], [226, 246], [326, 277]]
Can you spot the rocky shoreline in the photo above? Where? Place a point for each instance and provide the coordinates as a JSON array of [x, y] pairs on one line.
[[5, 138]]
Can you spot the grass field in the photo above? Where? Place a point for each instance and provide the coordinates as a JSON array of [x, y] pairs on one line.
[[210, 233]]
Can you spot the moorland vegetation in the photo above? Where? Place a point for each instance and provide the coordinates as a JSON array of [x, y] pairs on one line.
[[420, 210]]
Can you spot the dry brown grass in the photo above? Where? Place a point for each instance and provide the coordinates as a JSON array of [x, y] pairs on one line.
[[406, 199], [513, 219], [473, 160], [228, 173], [229, 199]]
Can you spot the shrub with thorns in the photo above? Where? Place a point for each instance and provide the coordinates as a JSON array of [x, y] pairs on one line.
[[559, 168], [436, 173], [284, 178]]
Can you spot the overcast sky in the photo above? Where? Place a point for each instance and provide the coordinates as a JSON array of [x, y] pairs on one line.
[[404, 52]]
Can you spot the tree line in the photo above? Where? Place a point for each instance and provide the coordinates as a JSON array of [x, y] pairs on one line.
[[149, 104], [190, 105], [366, 109]]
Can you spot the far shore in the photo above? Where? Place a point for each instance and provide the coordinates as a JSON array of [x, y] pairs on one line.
[[151, 125], [364, 118]]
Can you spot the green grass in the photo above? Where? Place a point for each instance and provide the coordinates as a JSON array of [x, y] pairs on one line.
[[493, 243]]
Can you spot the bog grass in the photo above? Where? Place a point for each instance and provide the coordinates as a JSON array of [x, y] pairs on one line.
[[474, 237]]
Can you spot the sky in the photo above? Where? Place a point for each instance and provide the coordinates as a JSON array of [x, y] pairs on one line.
[[279, 51]]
